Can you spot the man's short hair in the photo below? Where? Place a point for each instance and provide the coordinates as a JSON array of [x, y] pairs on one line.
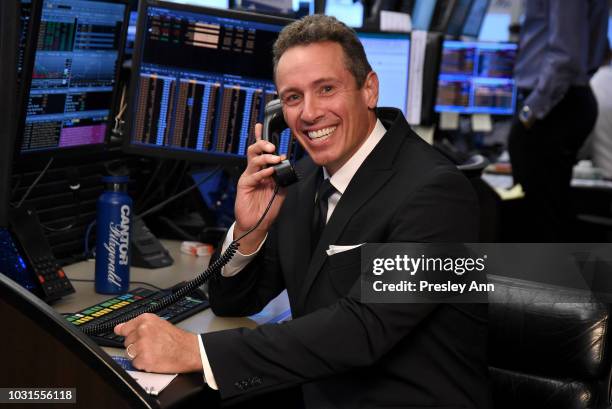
[[319, 28]]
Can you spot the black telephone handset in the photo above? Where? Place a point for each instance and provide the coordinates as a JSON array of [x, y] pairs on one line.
[[36, 251], [274, 124]]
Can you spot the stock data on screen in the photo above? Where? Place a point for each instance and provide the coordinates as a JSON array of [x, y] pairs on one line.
[[477, 78], [74, 74], [203, 82]]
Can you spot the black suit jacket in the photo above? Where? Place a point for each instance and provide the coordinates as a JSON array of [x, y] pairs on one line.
[[346, 353]]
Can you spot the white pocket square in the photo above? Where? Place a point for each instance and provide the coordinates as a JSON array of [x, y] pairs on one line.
[[333, 249]]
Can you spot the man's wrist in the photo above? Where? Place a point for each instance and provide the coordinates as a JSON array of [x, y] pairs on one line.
[[196, 361], [251, 243]]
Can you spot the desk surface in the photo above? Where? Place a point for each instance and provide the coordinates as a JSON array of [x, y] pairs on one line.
[[185, 267]]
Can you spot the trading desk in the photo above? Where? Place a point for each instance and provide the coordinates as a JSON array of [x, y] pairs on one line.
[[186, 390], [185, 268]]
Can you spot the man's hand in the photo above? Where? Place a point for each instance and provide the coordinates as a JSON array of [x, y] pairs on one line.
[[155, 345], [254, 191]]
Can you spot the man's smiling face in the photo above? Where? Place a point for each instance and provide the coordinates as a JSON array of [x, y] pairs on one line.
[[330, 116]]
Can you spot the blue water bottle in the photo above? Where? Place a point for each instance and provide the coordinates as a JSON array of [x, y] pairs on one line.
[[114, 215]]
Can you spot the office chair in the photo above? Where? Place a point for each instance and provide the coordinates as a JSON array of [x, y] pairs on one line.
[[472, 167], [548, 354]]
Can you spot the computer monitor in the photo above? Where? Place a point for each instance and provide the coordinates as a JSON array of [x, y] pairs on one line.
[[389, 56], [131, 30], [475, 17], [458, 18], [286, 8], [476, 77], [350, 12], [443, 12], [70, 90], [422, 14], [200, 80]]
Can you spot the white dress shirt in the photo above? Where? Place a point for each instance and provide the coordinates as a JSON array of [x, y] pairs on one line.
[[601, 136], [339, 180]]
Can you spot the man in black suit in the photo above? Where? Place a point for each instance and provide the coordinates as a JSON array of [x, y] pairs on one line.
[[383, 184]]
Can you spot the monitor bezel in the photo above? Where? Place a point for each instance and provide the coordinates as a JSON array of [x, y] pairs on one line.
[[172, 153], [29, 52], [25, 88]]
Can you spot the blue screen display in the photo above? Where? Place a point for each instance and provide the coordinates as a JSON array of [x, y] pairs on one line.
[[476, 77], [495, 27], [11, 262], [389, 56], [347, 11], [182, 105], [75, 69]]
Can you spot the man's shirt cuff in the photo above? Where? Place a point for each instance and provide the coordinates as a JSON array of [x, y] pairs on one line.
[[539, 104], [239, 261], [208, 375]]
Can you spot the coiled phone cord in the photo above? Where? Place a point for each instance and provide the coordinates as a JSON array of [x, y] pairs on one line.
[[185, 290]]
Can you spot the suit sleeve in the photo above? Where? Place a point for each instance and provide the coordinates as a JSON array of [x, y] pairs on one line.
[[564, 53], [347, 334]]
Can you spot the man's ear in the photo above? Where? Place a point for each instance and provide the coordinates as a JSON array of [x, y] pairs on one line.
[[370, 89]]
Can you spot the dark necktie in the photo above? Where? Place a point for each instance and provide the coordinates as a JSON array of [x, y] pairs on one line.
[[319, 217]]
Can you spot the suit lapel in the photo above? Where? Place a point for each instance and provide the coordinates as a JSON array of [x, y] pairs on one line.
[[371, 177]]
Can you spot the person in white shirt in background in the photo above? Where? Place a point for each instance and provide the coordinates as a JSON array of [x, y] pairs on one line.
[[601, 137]]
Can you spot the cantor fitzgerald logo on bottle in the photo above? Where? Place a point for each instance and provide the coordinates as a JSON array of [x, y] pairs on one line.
[[118, 242]]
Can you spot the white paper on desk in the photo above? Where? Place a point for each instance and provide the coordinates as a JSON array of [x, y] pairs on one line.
[[153, 383], [395, 21], [425, 132], [449, 121], [482, 123], [516, 192], [341, 249], [498, 181]]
